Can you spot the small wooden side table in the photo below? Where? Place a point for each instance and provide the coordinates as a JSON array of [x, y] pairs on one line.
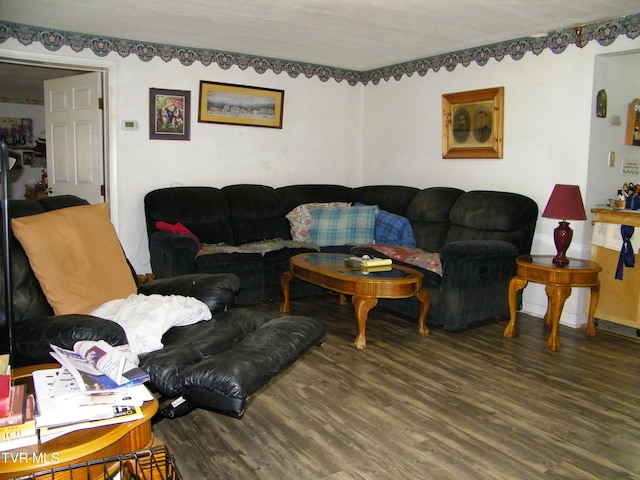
[[558, 281], [79, 446]]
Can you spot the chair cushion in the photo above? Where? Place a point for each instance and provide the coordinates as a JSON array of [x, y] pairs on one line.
[[76, 256]]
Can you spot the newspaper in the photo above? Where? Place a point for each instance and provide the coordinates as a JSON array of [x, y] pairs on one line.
[[54, 413], [98, 366]]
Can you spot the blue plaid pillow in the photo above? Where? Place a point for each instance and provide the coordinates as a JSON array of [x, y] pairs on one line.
[[342, 225], [392, 229]]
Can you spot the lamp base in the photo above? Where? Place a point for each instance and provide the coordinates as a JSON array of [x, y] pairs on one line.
[[562, 237]]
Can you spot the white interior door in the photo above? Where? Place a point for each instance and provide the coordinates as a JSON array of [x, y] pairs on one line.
[[74, 125]]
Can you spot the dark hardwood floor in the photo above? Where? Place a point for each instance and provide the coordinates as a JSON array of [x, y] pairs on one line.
[[467, 405]]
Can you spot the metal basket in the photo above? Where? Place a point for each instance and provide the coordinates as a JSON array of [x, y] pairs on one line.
[[155, 463]]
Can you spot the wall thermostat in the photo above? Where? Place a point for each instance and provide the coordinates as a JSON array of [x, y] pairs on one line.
[[129, 125]]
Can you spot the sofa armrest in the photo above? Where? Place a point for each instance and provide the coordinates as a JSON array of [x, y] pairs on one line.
[[172, 254], [216, 290], [475, 280], [33, 336]]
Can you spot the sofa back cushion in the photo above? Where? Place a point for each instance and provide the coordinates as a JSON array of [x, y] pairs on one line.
[[490, 215], [202, 210], [256, 213], [294, 195], [76, 256], [391, 198], [428, 213], [28, 299]]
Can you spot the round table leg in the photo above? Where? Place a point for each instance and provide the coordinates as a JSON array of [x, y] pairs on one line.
[[424, 298], [362, 305], [516, 284], [285, 280], [557, 296], [593, 303]]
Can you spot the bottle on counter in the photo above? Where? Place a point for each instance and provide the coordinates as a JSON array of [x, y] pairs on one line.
[[620, 200]]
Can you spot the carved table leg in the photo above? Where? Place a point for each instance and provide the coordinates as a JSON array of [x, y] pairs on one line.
[[362, 305], [593, 303], [557, 296], [515, 285], [285, 280], [424, 299]]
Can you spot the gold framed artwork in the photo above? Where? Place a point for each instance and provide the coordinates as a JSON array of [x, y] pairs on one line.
[[240, 105], [472, 123]]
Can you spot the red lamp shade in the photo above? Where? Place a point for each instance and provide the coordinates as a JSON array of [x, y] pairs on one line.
[[565, 203]]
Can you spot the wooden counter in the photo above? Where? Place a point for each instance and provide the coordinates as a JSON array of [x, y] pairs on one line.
[[619, 299]]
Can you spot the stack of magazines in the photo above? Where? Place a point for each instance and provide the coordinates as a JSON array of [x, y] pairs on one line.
[[97, 385]]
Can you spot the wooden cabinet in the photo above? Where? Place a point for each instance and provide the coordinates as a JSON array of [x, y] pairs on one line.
[[619, 299]]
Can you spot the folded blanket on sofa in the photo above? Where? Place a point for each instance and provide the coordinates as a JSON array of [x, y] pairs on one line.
[[412, 256], [261, 247]]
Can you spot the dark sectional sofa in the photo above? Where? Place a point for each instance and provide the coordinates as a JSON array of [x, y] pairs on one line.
[[478, 235]]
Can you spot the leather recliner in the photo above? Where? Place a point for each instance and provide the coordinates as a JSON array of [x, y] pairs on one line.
[[217, 364]]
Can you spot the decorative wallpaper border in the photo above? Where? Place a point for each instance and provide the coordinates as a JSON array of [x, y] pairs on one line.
[[604, 33]]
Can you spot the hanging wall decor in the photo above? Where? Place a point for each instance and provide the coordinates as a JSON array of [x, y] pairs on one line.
[[240, 105], [472, 124], [169, 114]]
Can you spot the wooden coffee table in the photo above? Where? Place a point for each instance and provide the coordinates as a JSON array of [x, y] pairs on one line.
[[79, 446], [328, 270]]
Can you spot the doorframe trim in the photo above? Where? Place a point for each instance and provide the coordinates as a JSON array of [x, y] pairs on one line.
[[109, 125]]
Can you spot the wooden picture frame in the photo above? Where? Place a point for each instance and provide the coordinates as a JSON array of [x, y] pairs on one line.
[[472, 123], [632, 134], [240, 105], [169, 114]]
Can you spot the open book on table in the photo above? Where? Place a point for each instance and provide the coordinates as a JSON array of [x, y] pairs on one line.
[[99, 366]]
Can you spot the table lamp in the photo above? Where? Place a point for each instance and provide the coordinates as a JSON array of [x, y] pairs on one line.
[[565, 203]]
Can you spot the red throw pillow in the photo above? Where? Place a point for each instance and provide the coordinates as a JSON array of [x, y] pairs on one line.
[[179, 229]]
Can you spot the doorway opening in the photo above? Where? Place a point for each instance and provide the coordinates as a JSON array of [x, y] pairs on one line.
[[23, 97]]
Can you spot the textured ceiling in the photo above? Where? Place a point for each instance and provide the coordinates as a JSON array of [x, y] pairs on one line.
[[352, 34], [358, 35]]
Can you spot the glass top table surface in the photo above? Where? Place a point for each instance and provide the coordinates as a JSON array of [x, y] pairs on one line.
[[336, 262]]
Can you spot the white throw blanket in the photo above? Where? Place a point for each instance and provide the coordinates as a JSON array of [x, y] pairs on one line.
[[145, 318]]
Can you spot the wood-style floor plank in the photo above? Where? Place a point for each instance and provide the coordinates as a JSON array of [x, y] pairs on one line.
[[466, 405]]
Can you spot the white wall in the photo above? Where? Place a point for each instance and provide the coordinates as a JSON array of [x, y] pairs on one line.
[[18, 178], [320, 140], [387, 133], [549, 109], [618, 74]]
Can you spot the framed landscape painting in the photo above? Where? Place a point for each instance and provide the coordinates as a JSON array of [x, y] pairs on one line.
[[472, 124], [240, 105], [169, 114]]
